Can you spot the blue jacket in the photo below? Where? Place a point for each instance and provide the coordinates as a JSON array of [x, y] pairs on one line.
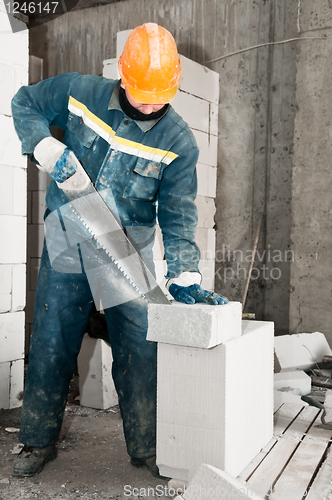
[[150, 166]]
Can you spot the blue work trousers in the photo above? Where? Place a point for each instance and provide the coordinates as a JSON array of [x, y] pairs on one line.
[[63, 305]]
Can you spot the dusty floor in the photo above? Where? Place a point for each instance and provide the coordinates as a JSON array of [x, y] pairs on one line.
[[92, 461]]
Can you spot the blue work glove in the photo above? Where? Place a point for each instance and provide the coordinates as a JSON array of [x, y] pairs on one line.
[[194, 293], [65, 167]]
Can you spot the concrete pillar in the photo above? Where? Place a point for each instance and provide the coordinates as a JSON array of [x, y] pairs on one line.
[[311, 271]]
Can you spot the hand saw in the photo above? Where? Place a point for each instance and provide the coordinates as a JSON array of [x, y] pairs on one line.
[[102, 224]]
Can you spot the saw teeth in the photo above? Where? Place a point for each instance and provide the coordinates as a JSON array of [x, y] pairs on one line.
[[112, 259]]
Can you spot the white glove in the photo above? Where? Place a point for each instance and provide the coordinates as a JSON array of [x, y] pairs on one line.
[[61, 164]]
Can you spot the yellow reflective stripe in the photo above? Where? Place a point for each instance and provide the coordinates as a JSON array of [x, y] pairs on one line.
[[118, 143]]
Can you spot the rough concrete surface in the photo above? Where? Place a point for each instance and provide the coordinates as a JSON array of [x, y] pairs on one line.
[[92, 462]]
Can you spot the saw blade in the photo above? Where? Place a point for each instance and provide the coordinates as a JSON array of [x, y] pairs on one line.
[[101, 223]]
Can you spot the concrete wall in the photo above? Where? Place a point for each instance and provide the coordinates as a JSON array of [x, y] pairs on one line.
[[256, 129], [311, 272], [13, 74]]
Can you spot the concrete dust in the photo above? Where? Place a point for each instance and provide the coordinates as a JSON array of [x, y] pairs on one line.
[[92, 462]]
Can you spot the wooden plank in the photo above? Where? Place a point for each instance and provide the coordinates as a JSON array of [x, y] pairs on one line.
[[321, 485], [273, 464], [284, 417], [288, 413], [296, 477]]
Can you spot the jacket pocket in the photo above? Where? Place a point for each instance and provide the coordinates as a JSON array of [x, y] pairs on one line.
[[144, 180], [81, 131]]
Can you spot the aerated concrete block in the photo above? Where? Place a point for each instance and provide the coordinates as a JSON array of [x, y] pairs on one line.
[[13, 232], [193, 110], [199, 80], [215, 484], [206, 180], [95, 378], [215, 405], [206, 209], [207, 268], [18, 287], [208, 148], [16, 383], [11, 336], [300, 351], [295, 382], [194, 325]]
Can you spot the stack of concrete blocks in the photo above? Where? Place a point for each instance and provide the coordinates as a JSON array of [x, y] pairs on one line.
[[197, 102], [215, 387], [37, 185], [13, 74]]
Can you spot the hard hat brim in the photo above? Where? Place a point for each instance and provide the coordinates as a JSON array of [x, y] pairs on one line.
[[161, 97]]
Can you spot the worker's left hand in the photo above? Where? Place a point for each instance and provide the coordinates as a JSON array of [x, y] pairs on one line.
[[194, 293]]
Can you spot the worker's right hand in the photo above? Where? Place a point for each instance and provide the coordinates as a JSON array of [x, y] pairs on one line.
[[61, 164], [56, 159]]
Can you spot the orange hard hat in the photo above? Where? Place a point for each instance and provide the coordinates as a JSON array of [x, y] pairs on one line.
[[149, 65]]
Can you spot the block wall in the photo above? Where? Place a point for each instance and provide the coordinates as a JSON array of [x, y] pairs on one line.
[[13, 74], [197, 103]]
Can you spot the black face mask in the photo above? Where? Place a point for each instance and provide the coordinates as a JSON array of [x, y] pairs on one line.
[[134, 114]]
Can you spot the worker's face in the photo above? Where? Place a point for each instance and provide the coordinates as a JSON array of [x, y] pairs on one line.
[[147, 109]]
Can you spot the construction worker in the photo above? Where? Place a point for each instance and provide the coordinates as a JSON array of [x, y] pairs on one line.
[[133, 144]]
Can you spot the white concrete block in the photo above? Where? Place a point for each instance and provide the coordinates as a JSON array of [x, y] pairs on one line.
[[21, 78], [194, 110], [197, 325], [206, 241], [13, 191], [207, 270], [7, 190], [206, 209], [199, 80], [208, 148], [18, 287], [161, 271], [20, 191], [214, 111], [300, 351], [16, 383], [7, 85], [10, 152], [121, 38], [215, 484], [158, 247], [35, 240], [4, 385], [5, 288], [16, 44], [95, 378], [286, 397], [110, 69], [296, 382], [215, 405], [206, 180], [13, 238], [11, 336], [38, 207]]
